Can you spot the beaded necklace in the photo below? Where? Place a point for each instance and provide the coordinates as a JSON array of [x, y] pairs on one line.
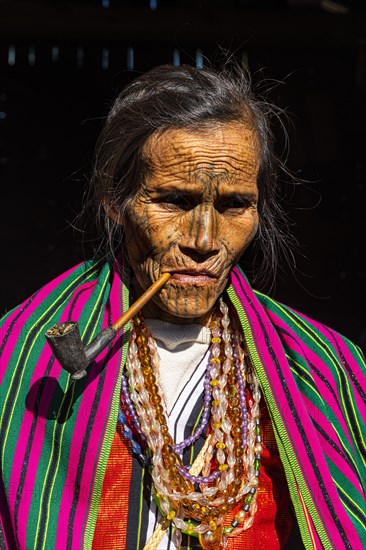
[[230, 465]]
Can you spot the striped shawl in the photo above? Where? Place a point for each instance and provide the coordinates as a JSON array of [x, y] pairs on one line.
[[56, 434]]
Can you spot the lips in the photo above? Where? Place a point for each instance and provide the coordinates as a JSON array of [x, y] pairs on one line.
[[193, 277]]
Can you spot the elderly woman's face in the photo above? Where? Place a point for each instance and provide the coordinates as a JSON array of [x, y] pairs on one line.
[[194, 216]]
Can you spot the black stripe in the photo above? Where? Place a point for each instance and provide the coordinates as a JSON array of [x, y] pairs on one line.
[[16, 380], [28, 342], [75, 301], [346, 365], [14, 321], [57, 446], [343, 384], [197, 411], [298, 423], [189, 426], [350, 504], [355, 431], [134, 505], [89, 429], [357, 435], [37, 402], [314, 368], [183, 389], [303, 374], [7, 534], [336, 448], [44, 382]]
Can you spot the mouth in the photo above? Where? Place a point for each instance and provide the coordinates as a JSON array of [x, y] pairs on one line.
[[193, 277]]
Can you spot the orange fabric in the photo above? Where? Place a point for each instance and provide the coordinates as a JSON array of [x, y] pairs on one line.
[[272, 523], [111, 527]]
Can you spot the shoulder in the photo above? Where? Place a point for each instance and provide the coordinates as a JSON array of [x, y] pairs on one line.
[[326, 352], [313, 332], [47, 303]]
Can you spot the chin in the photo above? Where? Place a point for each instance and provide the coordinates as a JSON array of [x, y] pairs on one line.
[[186, 314]]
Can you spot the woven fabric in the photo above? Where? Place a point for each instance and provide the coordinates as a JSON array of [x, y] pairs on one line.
[[273, 521], [56, 435]]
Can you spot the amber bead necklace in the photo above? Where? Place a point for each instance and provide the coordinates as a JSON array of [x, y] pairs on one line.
[[230, 467]]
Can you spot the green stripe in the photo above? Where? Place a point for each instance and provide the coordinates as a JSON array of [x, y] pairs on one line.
[[65, 426], [38, 341], [328, 351], [107, 440], [292, 469], [332, 419], [334, 360], [358, 519]]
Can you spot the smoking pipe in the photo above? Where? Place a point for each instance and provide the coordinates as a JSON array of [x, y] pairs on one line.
[[65, 339]]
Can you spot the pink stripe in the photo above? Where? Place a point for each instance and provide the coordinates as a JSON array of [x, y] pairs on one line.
[[292, 342], [352, 363], [342, 465], [287, 414], [25, 429], [99, 426], [21, 323], [328, 334]]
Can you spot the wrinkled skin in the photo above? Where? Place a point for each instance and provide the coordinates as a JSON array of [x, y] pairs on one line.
[[193, 217]]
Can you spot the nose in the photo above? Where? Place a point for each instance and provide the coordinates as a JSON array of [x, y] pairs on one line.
[[202, 237]]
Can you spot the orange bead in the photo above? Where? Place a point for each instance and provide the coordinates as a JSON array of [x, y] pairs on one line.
[[212, 540]]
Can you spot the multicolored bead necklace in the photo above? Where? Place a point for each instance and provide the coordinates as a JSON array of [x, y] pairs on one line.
[[230, 466]]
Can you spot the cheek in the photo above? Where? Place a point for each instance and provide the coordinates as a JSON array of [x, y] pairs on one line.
[[238, 236]]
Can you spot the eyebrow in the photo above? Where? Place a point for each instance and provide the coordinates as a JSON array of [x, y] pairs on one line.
[[248, 196], [167, 189]]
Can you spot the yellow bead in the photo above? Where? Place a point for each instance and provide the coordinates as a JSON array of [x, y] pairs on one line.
[[240, 516], [223, 467], [190, 528], [215, 403], [212, 540], [171, 515], [214, 382], [215, 340], [217, 425], [215, 360], [212, 525], [220, 445]]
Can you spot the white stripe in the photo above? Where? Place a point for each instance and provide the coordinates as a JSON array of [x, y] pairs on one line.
[[177, 421]]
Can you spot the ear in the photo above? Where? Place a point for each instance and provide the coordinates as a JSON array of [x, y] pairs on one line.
[[112, 212]]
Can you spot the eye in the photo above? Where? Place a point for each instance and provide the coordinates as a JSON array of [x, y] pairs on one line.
[[179, 201], [234, 204]]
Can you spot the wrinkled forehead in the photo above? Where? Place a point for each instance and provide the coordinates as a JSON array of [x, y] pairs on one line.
[[222, 152]]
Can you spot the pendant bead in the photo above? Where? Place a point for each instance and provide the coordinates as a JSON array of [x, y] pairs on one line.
[[212, 540]]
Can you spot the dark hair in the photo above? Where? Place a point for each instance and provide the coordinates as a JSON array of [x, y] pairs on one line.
[[181, 97]]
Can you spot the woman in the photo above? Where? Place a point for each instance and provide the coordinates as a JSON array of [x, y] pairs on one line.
[[238, 419]]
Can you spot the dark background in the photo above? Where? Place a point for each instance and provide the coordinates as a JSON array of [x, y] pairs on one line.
[[62, 64]]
